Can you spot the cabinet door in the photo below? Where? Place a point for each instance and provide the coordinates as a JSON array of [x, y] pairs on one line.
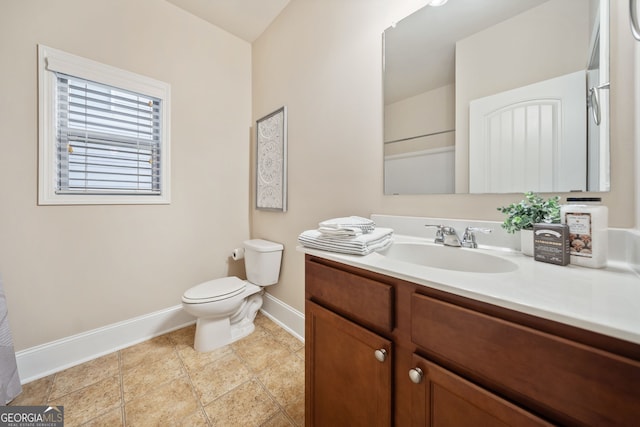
[[568, 382], [443, 399], [348, 372]]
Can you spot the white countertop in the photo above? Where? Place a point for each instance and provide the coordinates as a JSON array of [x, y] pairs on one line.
[[605, 300]]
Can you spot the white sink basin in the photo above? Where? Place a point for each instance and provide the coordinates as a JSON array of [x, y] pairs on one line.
[[448, 258]]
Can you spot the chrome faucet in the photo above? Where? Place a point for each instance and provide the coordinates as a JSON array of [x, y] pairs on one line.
[[469, 238], [448, 236]]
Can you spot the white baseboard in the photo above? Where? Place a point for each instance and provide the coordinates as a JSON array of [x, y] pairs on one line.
[[284, 315], [46, 359]]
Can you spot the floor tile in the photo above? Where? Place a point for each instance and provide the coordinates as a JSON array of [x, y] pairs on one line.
[[258, 380], [285, 381], [183, 336], [34, 393], [288, 340], [264, 322], [246, 405], [216, 379], [90, 402], [112, 418], [295, 408], [145, 377], [261, 351], [197, 419], [154, 349], [85, 374], [194, 360], [165, 405], [280, 420]]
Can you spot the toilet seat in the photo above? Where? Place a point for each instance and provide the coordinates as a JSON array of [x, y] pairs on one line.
[[214, 290]]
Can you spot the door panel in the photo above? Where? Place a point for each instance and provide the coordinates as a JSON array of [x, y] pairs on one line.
[[443, 399], [345, 383], [530, 137]]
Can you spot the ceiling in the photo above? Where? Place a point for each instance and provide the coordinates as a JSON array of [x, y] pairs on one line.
[[246, 19], [420, 49]]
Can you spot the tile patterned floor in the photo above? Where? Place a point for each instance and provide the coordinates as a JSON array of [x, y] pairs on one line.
[[257, 381]]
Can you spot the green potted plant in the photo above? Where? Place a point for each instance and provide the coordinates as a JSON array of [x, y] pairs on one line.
[[532, 209]]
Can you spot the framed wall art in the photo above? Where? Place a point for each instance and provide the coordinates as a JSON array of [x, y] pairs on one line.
[[271, 161]]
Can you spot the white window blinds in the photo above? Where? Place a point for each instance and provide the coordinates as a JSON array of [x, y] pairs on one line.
[[108, 139]]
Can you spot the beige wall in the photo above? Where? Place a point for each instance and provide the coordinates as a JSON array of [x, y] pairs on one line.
[[69, 269], [428, 112], [323, 60]]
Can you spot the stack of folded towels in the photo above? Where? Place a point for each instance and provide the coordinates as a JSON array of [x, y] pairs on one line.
[[349, 235]]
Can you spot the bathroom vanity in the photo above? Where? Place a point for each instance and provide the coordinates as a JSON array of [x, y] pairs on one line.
[[390, 346]]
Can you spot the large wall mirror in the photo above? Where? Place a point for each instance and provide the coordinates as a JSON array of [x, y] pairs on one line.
[[497, 96]]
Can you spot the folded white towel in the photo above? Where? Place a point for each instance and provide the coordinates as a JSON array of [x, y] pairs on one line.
[[362, 244], [340, 232], [349, 223]]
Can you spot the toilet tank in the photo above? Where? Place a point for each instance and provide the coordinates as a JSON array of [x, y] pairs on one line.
[[262, 260]]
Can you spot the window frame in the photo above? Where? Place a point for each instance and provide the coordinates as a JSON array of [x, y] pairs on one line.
[[52, 60]]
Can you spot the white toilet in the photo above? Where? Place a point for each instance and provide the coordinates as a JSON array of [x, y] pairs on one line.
[[227, 307]]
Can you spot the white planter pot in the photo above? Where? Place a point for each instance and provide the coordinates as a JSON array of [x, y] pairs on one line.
[[526, 242]]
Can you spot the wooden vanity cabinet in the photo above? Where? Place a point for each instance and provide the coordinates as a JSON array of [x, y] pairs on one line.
[[348, 366], [348, 372], [452, 361]]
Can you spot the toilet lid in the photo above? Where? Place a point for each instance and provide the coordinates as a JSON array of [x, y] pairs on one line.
[[215, 290]]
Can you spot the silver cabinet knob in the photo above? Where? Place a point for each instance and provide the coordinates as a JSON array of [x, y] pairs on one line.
[[381, 354], [416, 375]]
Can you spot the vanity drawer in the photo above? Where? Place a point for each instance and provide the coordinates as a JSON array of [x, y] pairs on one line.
[[573, 383], [355, 297]]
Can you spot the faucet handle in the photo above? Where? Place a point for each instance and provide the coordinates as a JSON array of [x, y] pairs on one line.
[[469, 238], [480, 229], [439, 232]]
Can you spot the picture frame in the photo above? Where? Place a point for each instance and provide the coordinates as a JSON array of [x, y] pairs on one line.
[[271, 161]]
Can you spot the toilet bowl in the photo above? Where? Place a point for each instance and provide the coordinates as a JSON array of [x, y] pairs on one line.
[[226, 308]]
